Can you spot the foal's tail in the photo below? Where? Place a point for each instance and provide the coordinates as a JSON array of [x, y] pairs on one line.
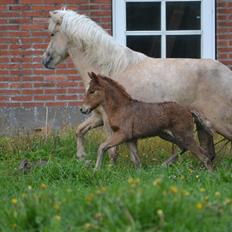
[[205, 123]]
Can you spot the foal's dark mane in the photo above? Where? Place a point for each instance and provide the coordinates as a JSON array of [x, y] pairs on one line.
[[116, 85]]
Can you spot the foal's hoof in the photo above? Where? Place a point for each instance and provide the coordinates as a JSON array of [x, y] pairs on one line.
[[209, 166], [170, 160]]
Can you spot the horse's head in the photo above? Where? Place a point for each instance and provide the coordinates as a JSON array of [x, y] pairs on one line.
[[57, 50], [95, 94]]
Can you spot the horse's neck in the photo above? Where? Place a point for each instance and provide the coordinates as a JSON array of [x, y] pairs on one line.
[[105, 59]]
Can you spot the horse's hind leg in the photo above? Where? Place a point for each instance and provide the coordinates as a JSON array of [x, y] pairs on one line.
[[92, 122], [206, 141]]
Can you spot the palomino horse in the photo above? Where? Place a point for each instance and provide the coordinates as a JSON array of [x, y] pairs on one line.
[[198, 83], [131, 119]]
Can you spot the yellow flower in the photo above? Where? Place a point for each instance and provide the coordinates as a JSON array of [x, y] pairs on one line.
[[101, 190], [173, 189], [160, 212], [89, 198], [217, 194], [182, 177], [206, 198], [199, 205], [190, 170], [29, 187], [202, 190], [186, 193], [14, 226], [88, 226], [14, 201], [133, 182], [227, 201], [58, 218], [43, 186], [56, 206], [157, 182], [98, 216], [197, 177]]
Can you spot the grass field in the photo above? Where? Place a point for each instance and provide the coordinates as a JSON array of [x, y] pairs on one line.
[[66, 195]]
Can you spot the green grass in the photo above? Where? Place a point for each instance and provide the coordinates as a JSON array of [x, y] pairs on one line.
[[66, 195]]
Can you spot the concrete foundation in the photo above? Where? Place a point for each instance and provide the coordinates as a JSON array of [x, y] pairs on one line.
[[15, 121]]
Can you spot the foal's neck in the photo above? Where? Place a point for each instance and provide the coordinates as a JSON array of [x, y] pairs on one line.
[[115, 100]]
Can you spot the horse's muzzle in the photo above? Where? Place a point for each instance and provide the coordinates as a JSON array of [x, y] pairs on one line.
[[46, 62]]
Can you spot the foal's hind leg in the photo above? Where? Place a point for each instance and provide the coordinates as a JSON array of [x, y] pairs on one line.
[[170, 138], [186, 141]]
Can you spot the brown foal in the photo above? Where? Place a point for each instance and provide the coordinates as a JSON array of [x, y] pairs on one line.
[[131, 120]]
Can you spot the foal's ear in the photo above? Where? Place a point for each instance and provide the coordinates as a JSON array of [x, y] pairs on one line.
[[57, 18], [93, 76]]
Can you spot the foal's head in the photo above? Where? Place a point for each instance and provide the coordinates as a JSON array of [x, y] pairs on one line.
[[95, 94]]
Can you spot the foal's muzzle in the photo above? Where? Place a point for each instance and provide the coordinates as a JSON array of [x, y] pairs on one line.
[[85, 110]]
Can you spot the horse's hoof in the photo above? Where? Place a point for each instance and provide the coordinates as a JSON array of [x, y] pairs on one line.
[[81, 157]]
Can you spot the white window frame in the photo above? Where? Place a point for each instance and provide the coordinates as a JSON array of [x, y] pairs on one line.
[[207, 25]]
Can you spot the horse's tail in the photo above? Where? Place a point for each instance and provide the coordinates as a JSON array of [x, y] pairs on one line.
[[205, 123]]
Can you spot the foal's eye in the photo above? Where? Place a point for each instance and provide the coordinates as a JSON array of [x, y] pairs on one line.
[[52, 34], [91, 91]]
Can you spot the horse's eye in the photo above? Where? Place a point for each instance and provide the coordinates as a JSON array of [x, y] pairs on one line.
[[52, 34], [91, 91]]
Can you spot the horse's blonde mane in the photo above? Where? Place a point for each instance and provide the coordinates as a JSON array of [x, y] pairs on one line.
[[98, 47]]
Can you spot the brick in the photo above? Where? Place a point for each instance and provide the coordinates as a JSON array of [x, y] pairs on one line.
[[32, 104], [66, 97], [44, 98], [24, 82], [21, 98], [55, 104]]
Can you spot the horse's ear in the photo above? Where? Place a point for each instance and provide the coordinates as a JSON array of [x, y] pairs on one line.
[[55, 17]]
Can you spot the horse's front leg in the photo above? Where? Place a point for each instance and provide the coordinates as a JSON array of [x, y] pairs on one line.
[[92, 122], [113, 141], [206, 141]]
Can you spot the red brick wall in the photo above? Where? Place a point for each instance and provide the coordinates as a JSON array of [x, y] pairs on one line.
[[23, 37], [224, 32], [24, 82]]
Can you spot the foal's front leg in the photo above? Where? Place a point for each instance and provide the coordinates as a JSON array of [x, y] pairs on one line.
[[134, 153], [116, 139]]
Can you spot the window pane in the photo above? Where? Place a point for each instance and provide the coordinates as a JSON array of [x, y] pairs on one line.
[[142, 16], [149, 45], [183, 46], [183, 15]]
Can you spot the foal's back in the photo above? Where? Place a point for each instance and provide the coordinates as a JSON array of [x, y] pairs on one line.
[[149, 119]]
